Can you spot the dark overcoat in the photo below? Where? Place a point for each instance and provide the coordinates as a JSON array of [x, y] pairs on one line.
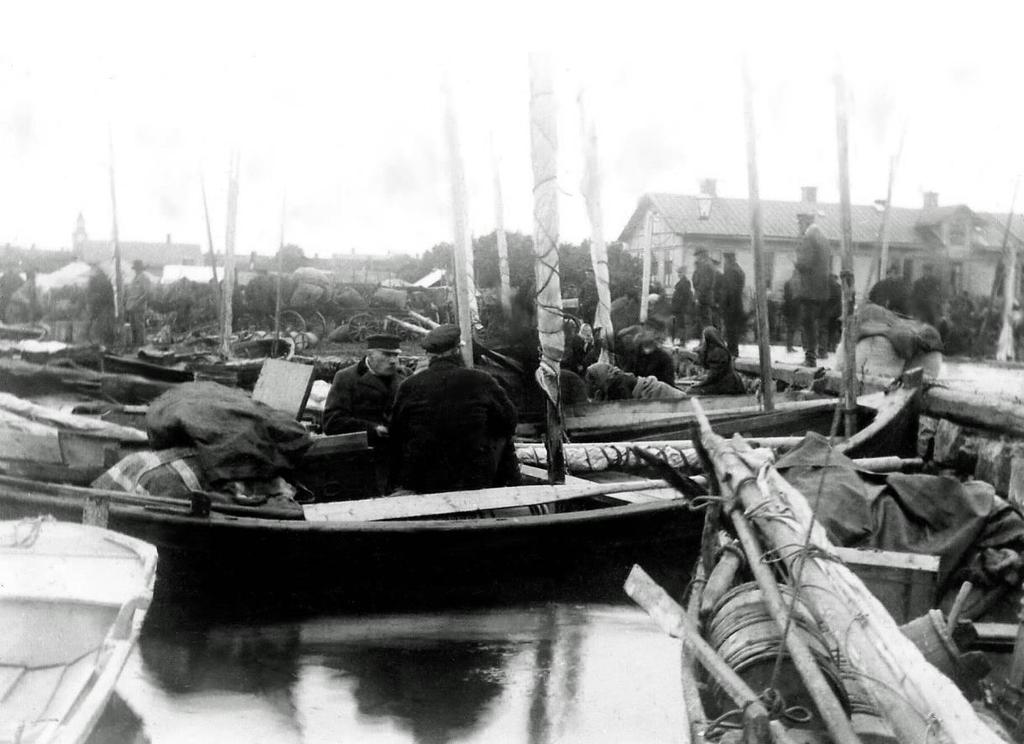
[[732, 283], [812, 266], [451, 429], [359, 400]]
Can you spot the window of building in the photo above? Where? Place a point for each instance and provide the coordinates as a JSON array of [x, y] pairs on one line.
[[669, 276], [957, 233], [956, 277]]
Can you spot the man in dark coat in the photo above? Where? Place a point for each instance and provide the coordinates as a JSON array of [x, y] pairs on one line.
[[682, 303], [452, 427], [721, 377], [892, 293], [927, 297], [812, 269], [705, 289], [731, 303], [362, 394], [652, 360]]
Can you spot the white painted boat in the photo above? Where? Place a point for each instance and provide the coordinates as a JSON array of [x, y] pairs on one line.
[[72, 602]]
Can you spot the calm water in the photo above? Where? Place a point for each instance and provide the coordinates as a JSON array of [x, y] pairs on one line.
[[544, 673]]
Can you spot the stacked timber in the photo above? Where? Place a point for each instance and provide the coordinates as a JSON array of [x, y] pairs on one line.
[[805, 648]]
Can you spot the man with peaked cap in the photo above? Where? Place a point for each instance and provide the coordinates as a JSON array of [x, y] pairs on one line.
[[452, 427], [705, 289], [136, 301], [362, 394], [730, 300], [813, 262]]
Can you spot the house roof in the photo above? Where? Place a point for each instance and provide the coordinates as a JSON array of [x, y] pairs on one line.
[[151, 254], [731, 218]]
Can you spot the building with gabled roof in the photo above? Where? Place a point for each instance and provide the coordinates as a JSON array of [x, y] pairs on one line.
[[152, 254], [963, 245]]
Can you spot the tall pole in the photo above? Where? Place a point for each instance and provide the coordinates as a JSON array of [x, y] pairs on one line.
[[504, 285], [757, 246], [115, 242], [229, 259], [882, 265], [463, 243], [979, 340], [209, 240], [645, 282], [1004, 344], [544, 151], [591, 188], [846, 276], [277, 282]]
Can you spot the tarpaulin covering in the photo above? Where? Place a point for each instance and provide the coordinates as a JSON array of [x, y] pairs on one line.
[[235, 437], [908, 337], [975, 533]]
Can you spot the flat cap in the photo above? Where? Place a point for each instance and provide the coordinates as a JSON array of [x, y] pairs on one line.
[[441, 339], [383, 342]]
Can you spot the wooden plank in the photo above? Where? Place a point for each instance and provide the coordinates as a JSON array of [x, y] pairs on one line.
[[336, 444], [284, 385], [458, 502]]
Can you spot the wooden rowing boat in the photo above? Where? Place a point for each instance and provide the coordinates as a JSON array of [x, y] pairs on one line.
[[72, 601], [234, 558]]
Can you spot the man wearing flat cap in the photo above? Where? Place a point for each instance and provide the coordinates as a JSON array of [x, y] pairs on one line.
[[452, 427], [362, 394]]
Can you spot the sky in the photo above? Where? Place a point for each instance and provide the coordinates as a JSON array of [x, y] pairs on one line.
[[336, 111]]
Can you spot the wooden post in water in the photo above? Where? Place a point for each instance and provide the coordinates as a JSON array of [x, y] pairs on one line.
[[116, 245], [544, 150], [229, 259], [846, 275], [764, 350], [591, 188], [277, 283], [645, 282], [463, 241], [504, 283], [209, 240]]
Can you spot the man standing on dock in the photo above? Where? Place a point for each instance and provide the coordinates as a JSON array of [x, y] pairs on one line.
[[733, 317], [452, 427], [705, 289], [682, 302], [136, 301], [811, 291]]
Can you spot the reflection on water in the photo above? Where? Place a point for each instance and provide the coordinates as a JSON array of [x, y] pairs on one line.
[[554, 673]]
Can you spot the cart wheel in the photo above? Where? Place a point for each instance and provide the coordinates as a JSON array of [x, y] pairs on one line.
[[292, 322], [361, 325], [317, 324], [300, 340]]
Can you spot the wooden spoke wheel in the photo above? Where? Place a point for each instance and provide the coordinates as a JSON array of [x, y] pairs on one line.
[[292, 322], [317, 324], [362, 325]]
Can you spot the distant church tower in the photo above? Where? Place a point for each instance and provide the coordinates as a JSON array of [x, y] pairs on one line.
[[79, 236]]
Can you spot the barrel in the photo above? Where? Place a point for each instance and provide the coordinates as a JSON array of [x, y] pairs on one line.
[[746, 636]]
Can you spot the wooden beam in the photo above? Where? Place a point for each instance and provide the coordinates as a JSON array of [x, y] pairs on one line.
[[426, 505]]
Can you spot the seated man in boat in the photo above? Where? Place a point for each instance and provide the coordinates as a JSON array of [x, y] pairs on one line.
[[608, 382], [714, 356], [651, 360], [451, 427], [362, 394]]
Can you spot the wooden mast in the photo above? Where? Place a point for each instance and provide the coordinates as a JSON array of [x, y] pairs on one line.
[[463, 243], [209, 241], [757, 246], [277, 282], [882, 265], [504, 284], [591, 188], [1004, 344], [645, 282], [846, 276], [544, 150], [229, 259], [116, 245]]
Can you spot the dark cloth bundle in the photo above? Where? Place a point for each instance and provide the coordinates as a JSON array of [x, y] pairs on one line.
[[235, 437], [966, 524]]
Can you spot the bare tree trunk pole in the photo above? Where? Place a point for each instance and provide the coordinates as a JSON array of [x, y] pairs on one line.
[[846, 277], [645, 288], [1004, 345], [591, 188], [764, 349], [463, 241], [544, 150], [213, 256], [504, 282], [277, 282], [116, 245], [226, 320]]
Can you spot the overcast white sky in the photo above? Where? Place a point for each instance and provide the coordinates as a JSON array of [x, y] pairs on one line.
[[338, 104]]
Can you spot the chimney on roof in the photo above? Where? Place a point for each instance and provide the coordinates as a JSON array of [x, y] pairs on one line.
[[931, 199], [809, 194], [709, 186]]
